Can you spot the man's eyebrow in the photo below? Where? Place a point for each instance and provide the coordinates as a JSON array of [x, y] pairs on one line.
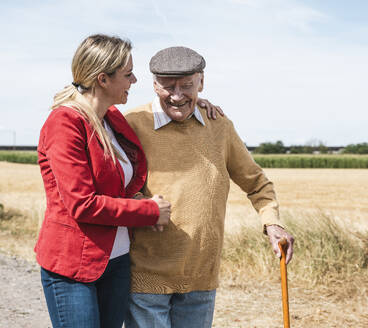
[[167, 84]]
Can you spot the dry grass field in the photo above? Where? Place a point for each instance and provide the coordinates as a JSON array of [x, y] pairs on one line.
[[249, 295]]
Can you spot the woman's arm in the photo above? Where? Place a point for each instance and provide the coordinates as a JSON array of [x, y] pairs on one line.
[[65, 148]]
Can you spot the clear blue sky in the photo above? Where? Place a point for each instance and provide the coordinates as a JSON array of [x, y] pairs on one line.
[[285, 70]]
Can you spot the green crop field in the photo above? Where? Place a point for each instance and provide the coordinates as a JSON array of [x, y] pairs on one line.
[[266, 161], [25, 157], [313, 161]]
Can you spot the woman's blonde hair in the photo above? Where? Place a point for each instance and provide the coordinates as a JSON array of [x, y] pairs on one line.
[[96, 54]]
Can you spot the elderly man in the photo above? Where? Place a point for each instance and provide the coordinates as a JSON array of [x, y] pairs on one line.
[[190, 161]]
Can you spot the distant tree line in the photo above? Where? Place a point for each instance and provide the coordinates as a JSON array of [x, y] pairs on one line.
[[313, 147], [277, 147], [361, 148]]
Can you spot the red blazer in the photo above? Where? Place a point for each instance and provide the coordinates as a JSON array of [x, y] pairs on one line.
[[86, 198]]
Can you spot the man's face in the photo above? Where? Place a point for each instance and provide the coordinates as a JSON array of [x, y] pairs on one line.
[[178, 95]]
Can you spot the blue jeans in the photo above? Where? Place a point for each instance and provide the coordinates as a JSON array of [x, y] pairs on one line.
[[194, 310], [99, 304]]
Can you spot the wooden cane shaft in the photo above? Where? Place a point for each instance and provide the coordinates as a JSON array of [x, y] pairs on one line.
[[284, 284]]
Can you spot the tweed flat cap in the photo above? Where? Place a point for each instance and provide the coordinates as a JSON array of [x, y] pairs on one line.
[[176, 61]]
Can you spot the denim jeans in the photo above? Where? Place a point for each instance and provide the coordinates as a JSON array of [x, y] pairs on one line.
[[99, 304], [194, 309]]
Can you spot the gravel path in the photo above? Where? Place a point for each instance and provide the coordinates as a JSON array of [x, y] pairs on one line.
[[22, 303]]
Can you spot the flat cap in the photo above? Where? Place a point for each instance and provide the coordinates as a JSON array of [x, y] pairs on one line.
[[176, 61]]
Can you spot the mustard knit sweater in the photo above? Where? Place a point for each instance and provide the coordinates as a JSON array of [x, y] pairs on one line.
[[190, 165]]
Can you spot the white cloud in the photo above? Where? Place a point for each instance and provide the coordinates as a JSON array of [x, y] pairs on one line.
[[289, 12], [270, 65]]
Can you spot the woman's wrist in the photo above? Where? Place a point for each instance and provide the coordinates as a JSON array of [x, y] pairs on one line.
[[138, 195]]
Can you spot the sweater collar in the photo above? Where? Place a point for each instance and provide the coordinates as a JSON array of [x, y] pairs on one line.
[[161, 118]]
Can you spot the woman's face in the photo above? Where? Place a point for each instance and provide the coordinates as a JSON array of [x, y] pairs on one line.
[[120, 83]]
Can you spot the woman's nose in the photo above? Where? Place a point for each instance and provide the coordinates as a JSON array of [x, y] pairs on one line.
[[133, 78]]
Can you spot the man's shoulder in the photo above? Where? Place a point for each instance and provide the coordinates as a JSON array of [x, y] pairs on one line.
[[139, 109], [138, 114]]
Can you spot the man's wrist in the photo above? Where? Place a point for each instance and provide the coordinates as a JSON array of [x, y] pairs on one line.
[[268, 225]]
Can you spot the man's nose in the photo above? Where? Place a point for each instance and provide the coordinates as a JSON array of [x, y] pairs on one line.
[[177, 94]]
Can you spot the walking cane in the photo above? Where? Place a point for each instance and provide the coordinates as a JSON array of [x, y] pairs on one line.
[[284, 283]]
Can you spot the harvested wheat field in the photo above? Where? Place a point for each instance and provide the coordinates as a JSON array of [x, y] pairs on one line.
[[325, 209]]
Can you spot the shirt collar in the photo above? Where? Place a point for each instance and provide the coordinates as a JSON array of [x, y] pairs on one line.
[[161, 118]]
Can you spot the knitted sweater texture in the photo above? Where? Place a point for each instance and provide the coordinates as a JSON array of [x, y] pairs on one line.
[[190, 165]]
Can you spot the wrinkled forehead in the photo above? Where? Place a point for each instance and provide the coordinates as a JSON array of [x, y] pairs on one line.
[[177, 79]]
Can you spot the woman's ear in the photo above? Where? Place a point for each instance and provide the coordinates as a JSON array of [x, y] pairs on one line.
[[102, 80]]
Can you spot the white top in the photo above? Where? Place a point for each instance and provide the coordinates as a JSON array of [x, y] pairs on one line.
[[122, 242], [161, 118]]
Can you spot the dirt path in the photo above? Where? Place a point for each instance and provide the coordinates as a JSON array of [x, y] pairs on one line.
[[22, 304], [258, 305]]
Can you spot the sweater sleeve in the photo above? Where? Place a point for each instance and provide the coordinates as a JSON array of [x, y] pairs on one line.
[[249, 176], [65, 149]]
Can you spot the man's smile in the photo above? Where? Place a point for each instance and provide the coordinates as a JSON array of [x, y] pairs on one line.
[[177, 104]]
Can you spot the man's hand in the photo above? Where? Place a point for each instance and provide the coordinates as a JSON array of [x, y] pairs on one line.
[[156, 227], [139, 196], [211, 109], [165, 213], [276, 233]]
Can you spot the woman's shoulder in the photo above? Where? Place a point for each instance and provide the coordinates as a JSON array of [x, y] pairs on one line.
[[65, 111], [62, 123], [63, 114], [64, 118]]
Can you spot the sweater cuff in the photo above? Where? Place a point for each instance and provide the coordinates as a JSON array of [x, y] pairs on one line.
[[270, 216]]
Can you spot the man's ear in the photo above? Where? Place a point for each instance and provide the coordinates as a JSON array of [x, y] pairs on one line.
[[201, 82], [102, 80], [155, 86]]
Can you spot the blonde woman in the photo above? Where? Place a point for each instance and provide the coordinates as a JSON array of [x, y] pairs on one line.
[[92, 165]]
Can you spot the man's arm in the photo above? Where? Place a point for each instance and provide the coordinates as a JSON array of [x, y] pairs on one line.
[[249, 176]]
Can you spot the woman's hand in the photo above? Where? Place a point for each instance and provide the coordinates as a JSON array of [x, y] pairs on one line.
[[165, 212], [211, 109]]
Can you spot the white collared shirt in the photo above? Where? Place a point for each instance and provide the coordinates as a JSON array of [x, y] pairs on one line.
[[161, 118], [121, 242]]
